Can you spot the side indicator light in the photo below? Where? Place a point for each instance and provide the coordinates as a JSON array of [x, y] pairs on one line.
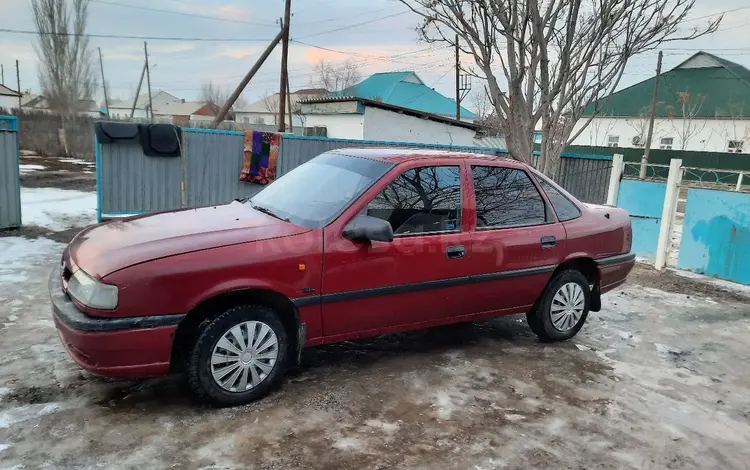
[[302, 267]]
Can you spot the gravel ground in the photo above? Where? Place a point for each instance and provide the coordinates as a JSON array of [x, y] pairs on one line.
[[657, 379]]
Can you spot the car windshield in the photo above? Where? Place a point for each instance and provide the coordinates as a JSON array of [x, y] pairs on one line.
[[315, 193]]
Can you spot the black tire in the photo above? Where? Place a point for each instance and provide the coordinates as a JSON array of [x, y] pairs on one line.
[[210, 332], [540, 317]]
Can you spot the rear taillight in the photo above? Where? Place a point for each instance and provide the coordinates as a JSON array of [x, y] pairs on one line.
[[628, 241]]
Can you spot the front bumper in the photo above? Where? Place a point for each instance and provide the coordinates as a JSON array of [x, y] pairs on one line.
[[135, 347]]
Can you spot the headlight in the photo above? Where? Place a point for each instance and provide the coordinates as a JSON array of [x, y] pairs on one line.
[[91, 292]]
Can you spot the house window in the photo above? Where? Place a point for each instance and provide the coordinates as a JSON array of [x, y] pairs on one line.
[[735, 146], [666, 143], [613, 141]]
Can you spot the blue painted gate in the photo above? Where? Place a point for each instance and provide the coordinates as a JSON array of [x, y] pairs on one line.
[[716, 234], [644, 201]]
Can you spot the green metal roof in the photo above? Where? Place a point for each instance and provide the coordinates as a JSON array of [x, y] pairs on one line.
[[404, 89], [720, 91]]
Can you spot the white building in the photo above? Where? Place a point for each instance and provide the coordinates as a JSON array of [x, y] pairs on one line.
[[365, 119], [266, 110], [122, 109], [31, 102], [703, 105], [8, 98]]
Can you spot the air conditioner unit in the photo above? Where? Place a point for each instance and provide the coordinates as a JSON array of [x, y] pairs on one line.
[[637, 141]]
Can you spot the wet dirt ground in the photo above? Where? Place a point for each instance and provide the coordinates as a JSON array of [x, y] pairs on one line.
[[658, 379]]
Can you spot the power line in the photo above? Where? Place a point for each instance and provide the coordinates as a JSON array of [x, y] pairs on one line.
[[175, 12], [715, 14], [142, 38], [356, 24]]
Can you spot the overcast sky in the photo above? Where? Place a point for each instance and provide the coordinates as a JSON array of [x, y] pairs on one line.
[[385, 42]]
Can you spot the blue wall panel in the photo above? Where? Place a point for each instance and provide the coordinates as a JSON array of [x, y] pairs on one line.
[[716, 234], [644, 201]]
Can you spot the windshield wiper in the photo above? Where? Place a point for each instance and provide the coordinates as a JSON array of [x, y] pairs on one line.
[[268, 211]]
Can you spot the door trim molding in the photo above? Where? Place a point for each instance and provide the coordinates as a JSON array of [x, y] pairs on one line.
[[418, 286]]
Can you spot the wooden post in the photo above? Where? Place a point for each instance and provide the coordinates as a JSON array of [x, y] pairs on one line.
[[148, 81], [458, 83], [644, 159], [284, 61], [138, 91], [18, 81], [228, 105], [104, 82]]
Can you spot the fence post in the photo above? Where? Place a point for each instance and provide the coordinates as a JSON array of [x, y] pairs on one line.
[[668, 213], [739, 182], [618, 166]]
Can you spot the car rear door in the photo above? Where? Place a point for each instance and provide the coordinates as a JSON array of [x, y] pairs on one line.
[[416, 278], [516, 239]]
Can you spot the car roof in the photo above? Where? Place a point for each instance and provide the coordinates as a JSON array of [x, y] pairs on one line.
[[397, 155]]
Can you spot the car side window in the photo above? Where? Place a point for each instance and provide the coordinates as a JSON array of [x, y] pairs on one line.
[[563, 207], [506, 197], [421, 200]]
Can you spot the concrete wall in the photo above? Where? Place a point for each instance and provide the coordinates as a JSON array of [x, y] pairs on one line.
[[341, 126], [705, 135], [122, 113], [381, 124], [10, 184], [268, 118], [716, 234]]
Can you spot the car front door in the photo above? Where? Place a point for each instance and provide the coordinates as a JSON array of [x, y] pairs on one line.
[[516, 239], [371, 287]]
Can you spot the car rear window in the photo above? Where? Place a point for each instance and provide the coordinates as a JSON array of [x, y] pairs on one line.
[[564, 208]]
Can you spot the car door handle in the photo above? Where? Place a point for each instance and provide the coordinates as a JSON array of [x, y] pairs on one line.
[[455, 251], [548, 242]]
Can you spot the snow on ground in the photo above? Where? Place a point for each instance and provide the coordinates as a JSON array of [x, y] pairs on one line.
[[18, 254], [28, 168], [77, 161], [57, 209]]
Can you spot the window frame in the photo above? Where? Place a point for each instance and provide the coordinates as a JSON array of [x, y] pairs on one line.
[[669, 146], [459, 216], [540, 175], [550, 216], [615, 143]]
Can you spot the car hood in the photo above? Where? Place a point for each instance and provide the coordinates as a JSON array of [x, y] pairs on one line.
[[105, 248]]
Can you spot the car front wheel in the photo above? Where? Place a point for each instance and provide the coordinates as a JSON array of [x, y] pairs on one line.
[[238, 356], [562, 309]]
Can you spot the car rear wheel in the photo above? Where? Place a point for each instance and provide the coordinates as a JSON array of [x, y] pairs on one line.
[[238, 356], [562, 309]]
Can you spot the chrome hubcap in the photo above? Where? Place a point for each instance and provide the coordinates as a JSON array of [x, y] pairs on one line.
[[244, 356], [567, 306]]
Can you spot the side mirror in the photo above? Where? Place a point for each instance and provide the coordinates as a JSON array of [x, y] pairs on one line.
[[365, 228]]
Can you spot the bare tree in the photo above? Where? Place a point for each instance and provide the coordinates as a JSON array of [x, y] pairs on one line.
[[545, 61], [640, 125], [216, 96], [480, 101], [271, 103], [735, 130], [336, 77], [686, 126], [66, 72]]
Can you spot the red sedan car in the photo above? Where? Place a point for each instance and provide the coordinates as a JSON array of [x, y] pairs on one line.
[[354, 243]]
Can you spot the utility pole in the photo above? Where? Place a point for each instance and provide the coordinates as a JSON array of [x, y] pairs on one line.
[[284, 57], [18, 81], [644, 159], [2, 75], [138, 91], [104, 83], [250, 74], [289, 103], [458, 83], [148, 81]]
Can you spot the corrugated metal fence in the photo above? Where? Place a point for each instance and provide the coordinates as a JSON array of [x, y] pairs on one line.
[[129, 182], [296, 150], [10, 182], [585, 176], [208, 171]]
